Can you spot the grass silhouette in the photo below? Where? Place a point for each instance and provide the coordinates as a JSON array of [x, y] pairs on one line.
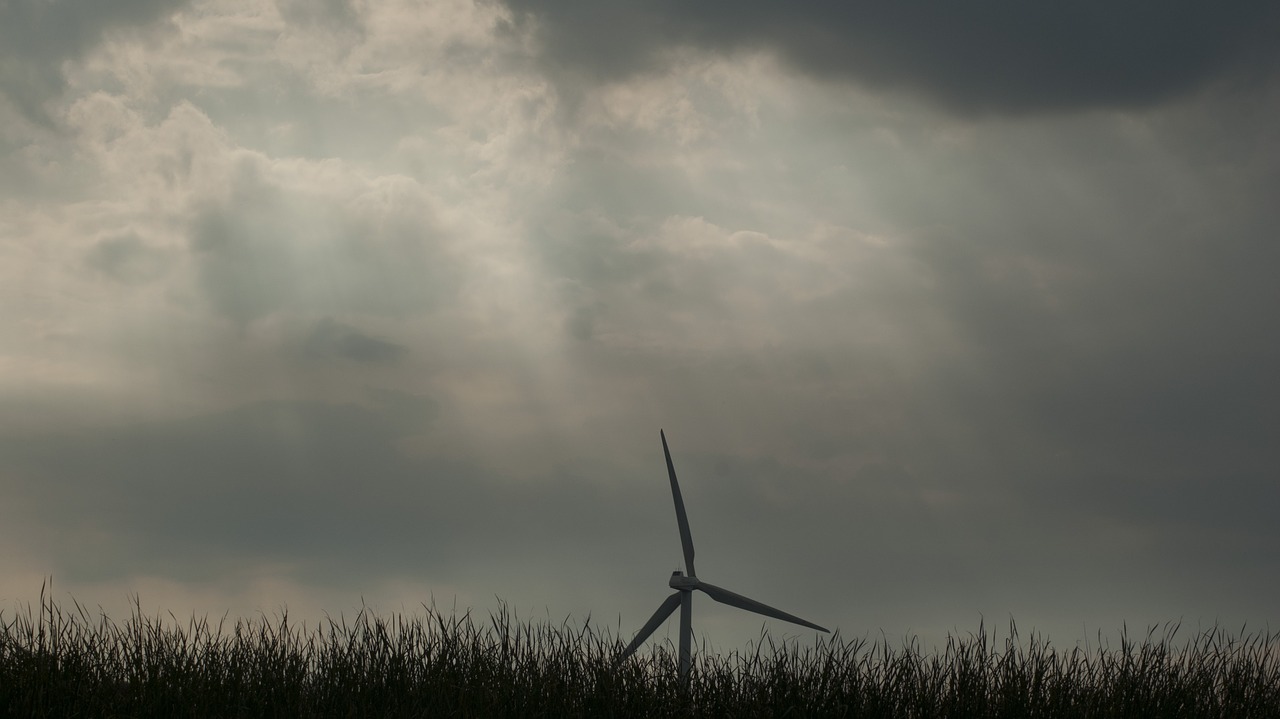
[[56, 663]]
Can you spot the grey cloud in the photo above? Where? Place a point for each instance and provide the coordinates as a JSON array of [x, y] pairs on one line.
[[1059, 364], [244, 259], [325, 494], [128, 259], [938, 492], [1109, 318], [912, 368], [996, 57], [323, 489], [270, 247], [330, 13], [581, 324], [334, 339], [37, 36]]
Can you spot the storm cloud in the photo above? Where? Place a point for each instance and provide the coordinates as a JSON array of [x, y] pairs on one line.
[[1003, 57]]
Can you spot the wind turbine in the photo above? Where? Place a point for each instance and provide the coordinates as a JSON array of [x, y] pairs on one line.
[[684, 587]]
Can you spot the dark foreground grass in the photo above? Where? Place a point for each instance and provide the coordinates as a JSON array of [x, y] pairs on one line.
[[73, 664]]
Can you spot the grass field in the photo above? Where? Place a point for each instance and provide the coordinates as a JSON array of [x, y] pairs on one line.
[[71, 663]]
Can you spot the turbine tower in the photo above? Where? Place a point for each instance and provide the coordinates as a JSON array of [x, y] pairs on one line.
[[684, 586]]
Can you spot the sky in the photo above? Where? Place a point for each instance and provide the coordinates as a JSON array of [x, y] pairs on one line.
[[950, 314]]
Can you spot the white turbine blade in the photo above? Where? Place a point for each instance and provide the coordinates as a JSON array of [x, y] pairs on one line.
[[654, 622], [724, 596], [686, 539]]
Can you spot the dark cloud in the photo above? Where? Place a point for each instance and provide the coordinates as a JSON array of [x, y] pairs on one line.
[[334, 339], [37, 36], [322, 487], [1056, 363], [995, 57]]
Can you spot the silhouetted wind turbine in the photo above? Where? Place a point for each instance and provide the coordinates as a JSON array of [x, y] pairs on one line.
[[684, 587]]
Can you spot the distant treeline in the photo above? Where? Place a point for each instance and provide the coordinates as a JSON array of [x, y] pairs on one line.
[[56, 663]]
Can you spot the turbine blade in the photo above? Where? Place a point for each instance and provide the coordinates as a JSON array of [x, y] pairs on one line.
[[686, 539], [654, 622], [724, 596]]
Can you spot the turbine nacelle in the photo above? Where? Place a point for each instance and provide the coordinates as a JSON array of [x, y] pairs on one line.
[[683, 583]]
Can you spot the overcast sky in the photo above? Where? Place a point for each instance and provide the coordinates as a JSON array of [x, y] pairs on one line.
[[948, 313]]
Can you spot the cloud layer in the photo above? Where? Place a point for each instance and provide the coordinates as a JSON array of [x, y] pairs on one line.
[[946, 316], [1001, 57]]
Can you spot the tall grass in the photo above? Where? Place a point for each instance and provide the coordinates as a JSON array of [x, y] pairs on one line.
[[70, 663]]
